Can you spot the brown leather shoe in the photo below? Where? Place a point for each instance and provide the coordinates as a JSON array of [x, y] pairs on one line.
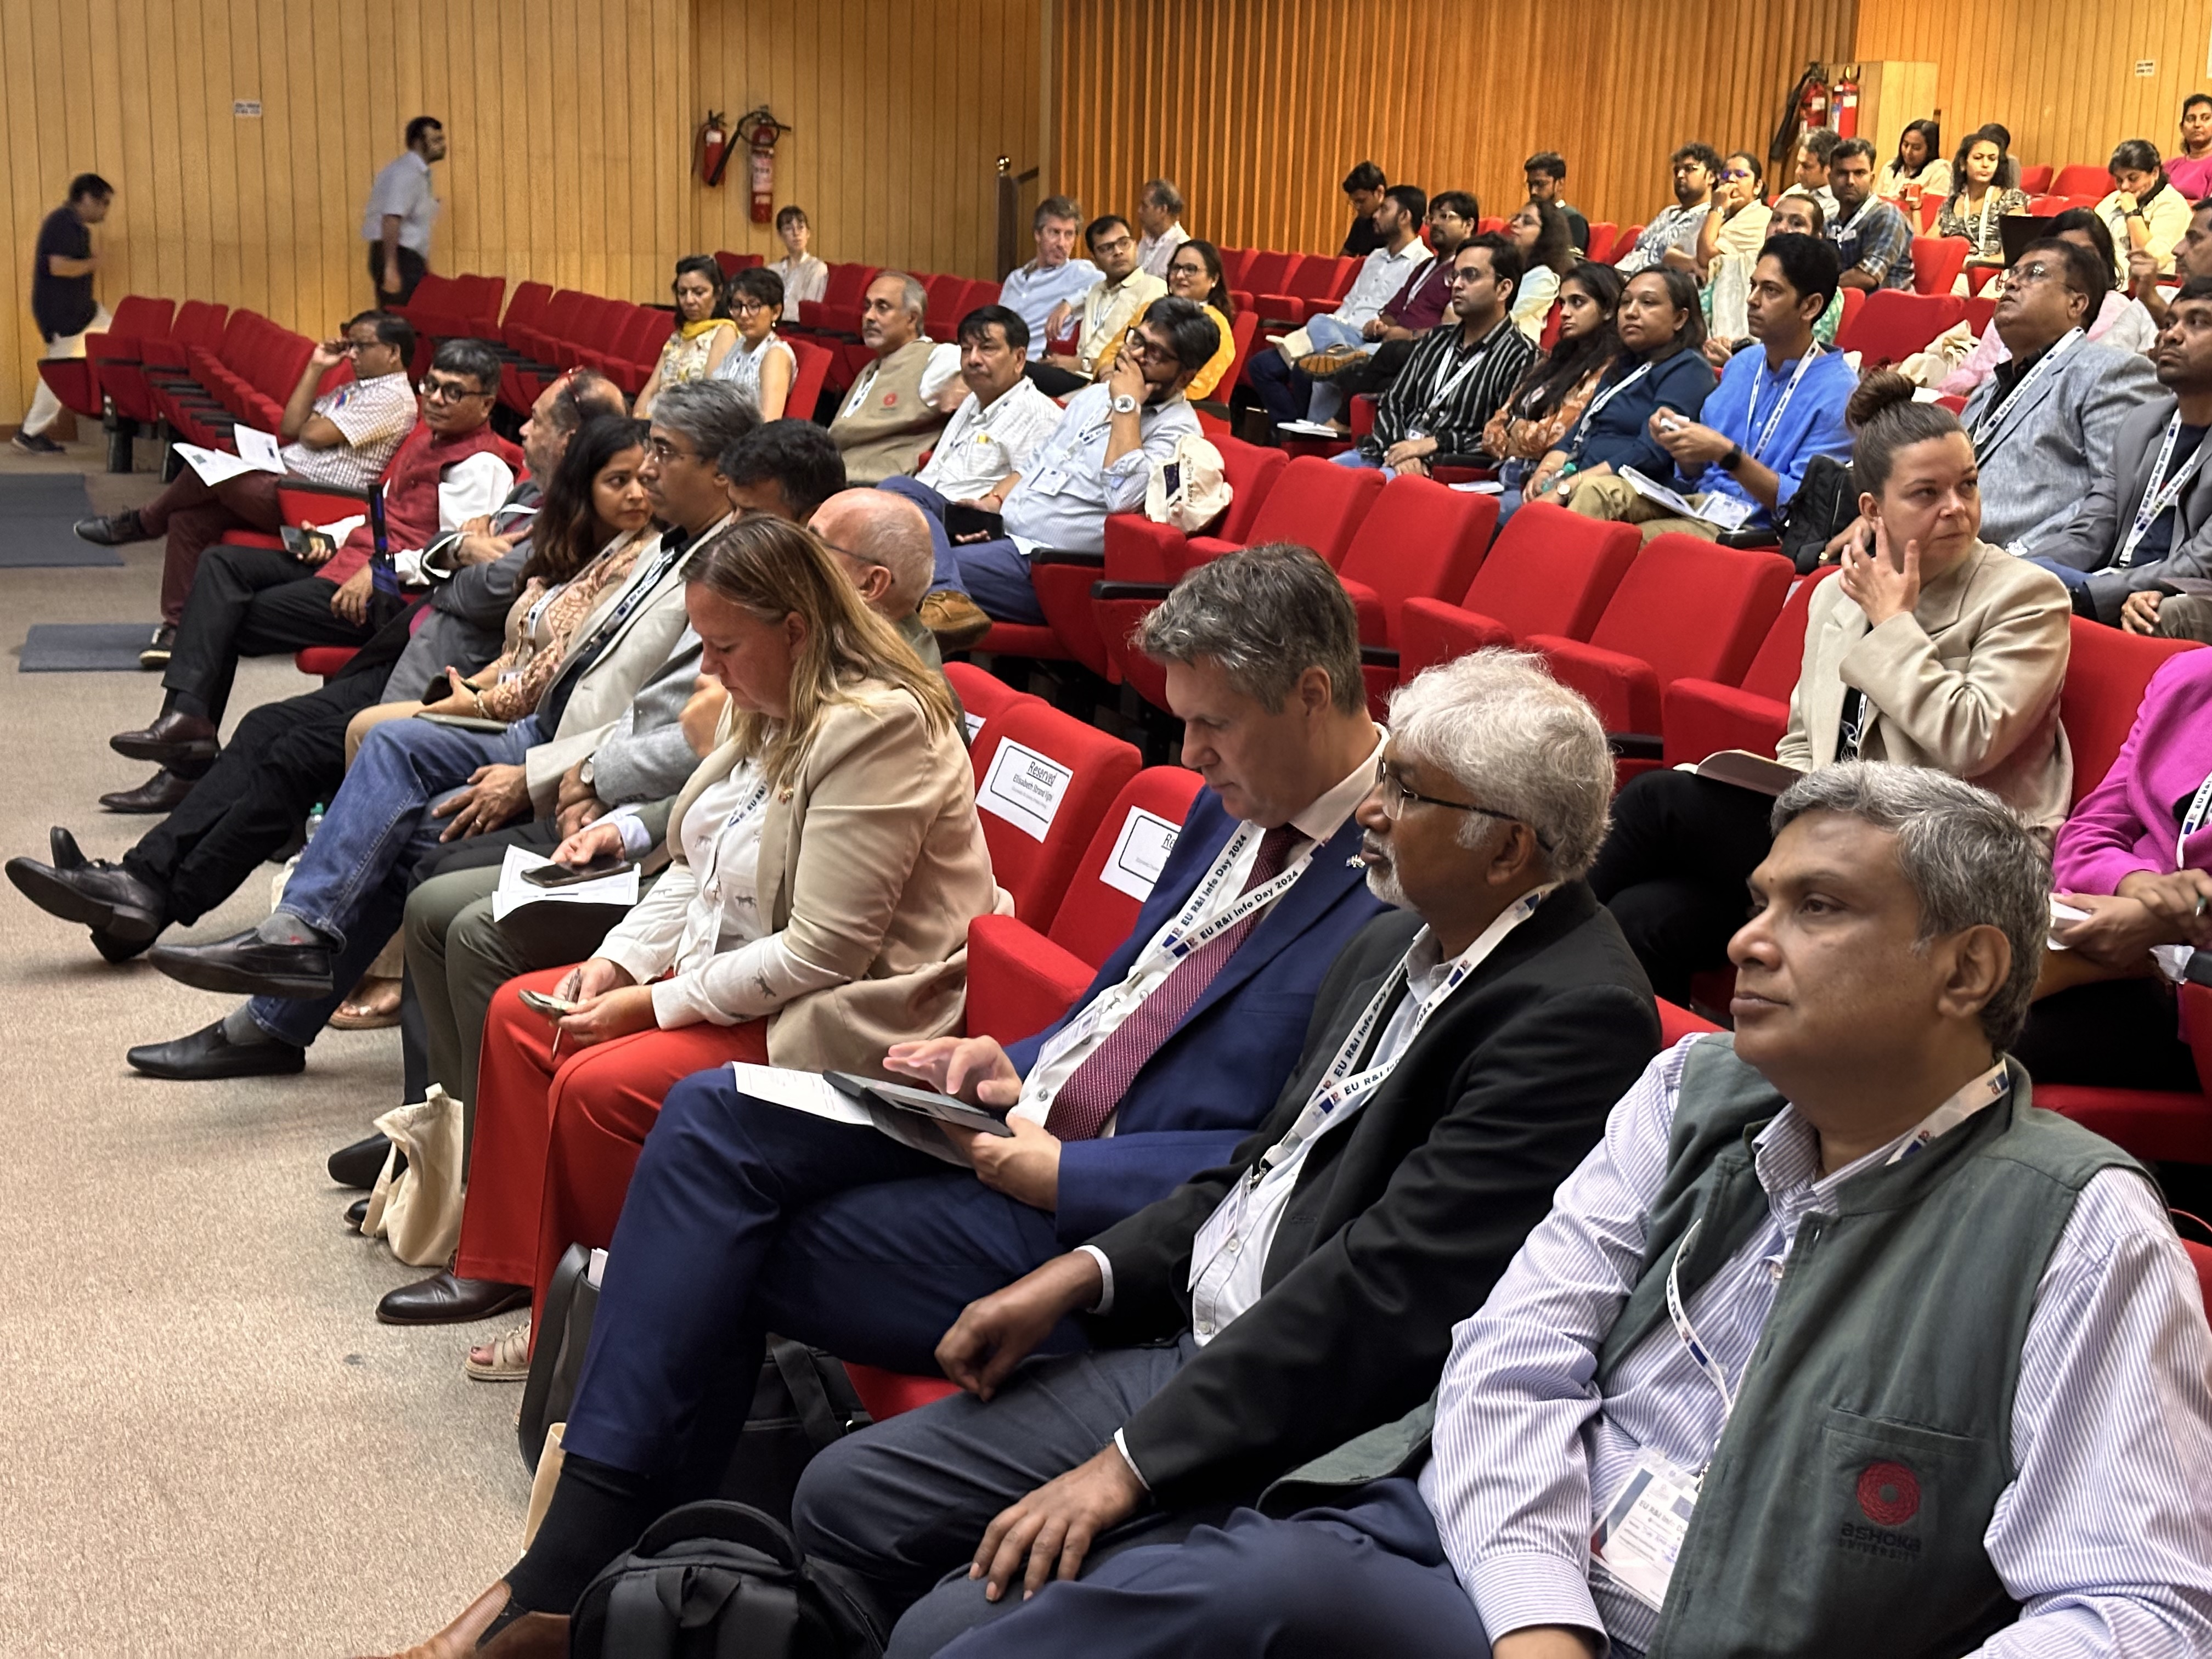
[[173, 736], [533, 1636], [164, 792], [445, 1299], [957, 620]]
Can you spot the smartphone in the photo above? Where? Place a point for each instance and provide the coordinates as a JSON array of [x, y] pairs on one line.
[[551, 1007], [562, 875]]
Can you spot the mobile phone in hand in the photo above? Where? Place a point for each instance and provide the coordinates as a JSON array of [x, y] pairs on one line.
[[563, 875], [551, 1007]]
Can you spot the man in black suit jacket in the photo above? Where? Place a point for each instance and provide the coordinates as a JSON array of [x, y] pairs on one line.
[[1460, 1063]]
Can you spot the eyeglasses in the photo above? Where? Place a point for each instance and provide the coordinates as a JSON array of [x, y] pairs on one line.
[[448, 391], [1396, 796], [1146, 350], [664, 451], [744, 306], [2033, 272]]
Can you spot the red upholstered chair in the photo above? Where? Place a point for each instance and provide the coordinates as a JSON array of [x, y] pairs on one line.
[[1602, 234], [886, 1393], [1020, 978], [1044, 781], [1419, 540], [983, 695], [2036, 180], [2082, 179], [838, 310], [2162, 1125], [2047, 206], [1622, 244], [1269, 280], [1702, 717], [1549, 572], [1243, 329], [812, 373], [2106, 672], [1688, 608], [1981, 311], [1936, 263], [1675, 1024], [1892, 324], [75, 380]]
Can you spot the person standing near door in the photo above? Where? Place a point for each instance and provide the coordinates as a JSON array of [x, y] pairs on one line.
[[402, 208], [62, 302]]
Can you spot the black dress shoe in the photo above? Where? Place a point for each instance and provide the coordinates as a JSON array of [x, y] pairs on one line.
[[357, 1166], [442, 1299], [164, 792], [105, 897], [174, 735], [206, 1054], [245, 964], [112, 530], [357, 1213]]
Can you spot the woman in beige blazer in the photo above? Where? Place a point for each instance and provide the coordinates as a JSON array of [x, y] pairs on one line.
[[1930, 649], [826, 862]]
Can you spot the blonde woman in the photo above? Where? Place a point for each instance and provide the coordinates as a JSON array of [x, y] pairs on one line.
[[704, 333]]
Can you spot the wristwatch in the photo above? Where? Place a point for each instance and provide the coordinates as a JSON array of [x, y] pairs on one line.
[[586, 771], [1124, 403], [1733, 460]]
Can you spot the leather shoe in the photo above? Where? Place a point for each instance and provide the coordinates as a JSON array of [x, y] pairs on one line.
[[174, 736], [112, 530], [357, 1213], [245, 964], [533, 1636], [103, 897], [164, 792], [208, 1055], [357, 1166], [957, 620], [445, 1299]]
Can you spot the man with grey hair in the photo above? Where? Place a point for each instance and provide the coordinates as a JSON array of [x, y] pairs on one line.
[[890, 416], [1461, 1059], [1159, 215], [1835, 1333]]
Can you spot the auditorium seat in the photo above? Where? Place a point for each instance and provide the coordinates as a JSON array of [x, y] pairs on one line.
[[1549, 572], [811, 373], [838, 311], [2158, 1125], [1675, 1024], [75, 380], [1703, 717], [2035, 180], [1602, 233], [886, 1393], [1419, 540], [2082, 179], [1622, 244], [1688, 608], [2107, 671], [1042, 780], [1022, 978], [982, 695], [1937, 262], [1892, 324]]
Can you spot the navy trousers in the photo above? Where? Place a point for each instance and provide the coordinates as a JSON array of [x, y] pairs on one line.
[[997, 577], [1285, 391], [946, 572], [743, 1217]]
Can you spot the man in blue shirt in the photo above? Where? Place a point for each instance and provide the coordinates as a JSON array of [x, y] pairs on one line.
[[1780, 402]]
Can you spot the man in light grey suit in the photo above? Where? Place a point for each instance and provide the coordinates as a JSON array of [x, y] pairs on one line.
[[2043, 423], [2149, 518]]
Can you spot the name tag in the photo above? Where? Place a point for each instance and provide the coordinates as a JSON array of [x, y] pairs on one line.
[[1024, 788], [1139, 854], [1642, 1533], [1726, 511]]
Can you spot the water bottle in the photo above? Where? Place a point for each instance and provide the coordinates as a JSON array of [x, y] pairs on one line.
[[314, 819]]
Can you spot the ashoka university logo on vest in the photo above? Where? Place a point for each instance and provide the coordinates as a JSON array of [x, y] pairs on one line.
[[1888, 1494]]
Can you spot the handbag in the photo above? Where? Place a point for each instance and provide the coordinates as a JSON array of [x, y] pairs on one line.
[[1188, 489], [1826, 500], [416, 1204]]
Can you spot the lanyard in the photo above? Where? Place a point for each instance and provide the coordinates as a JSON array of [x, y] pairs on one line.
[[1597, 404], [1988, 423], [2158, 498], [1766, 432], [536, 610], [1182, 936], [1441, 388], [2192, 821], [1987, 1090], [1688, 1333]]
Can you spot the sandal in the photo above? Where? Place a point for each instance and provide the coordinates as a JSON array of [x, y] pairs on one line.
[[504, 1358], [373, 1006]]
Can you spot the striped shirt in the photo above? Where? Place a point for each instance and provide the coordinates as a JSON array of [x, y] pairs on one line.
[[2104, 1537], [374, 416], [1430, 398]]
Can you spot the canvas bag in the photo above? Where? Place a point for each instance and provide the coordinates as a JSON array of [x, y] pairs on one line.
[[417, 1212], [1190, 489]]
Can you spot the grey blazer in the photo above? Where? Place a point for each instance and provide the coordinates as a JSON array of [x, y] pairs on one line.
[[2041, 460], [2091, 539]]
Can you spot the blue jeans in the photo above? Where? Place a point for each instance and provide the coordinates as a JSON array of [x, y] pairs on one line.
[[947, 575], [996, 575], [352, 880], [1323, 401], [1352, 457]]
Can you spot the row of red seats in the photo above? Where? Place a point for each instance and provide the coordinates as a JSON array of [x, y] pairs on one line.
[[464, 307], [243, 379]]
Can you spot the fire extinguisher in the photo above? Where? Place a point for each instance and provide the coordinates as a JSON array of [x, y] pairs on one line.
[[762, 130], [1847, 104], [1806, 109], [712, 149], [1813, 106]]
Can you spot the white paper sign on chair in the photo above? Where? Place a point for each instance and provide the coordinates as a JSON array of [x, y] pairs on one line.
[[1140, 851], [1024, 788]]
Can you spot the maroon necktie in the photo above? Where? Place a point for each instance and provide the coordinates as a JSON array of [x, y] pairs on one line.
[[1094, 1088]]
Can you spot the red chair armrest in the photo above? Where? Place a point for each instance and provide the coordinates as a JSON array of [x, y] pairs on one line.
[[1374, 622], [1622, 688], [1702, 718], [1139, 551], [1430, 631]]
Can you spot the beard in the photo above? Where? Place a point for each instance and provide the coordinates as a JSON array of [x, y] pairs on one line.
[[1382, 882]]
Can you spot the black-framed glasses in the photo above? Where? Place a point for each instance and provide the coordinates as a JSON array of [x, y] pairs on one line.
[[1138, 345], [1396, 797], [448, 391]]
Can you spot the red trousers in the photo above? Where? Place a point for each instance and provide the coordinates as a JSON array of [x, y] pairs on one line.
[[556, 1141], [195, 516]]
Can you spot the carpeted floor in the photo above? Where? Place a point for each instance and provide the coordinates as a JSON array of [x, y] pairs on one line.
[[207, 1445]]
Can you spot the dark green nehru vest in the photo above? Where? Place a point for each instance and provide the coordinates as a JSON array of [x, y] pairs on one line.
[[1845, 1510]]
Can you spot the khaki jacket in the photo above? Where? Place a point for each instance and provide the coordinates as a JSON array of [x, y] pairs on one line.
[[872, 862], [882, 426], [1968, 683]]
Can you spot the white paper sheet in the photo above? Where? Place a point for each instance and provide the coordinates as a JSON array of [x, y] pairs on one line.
[[256, 448], [803, 1092], [1139, 852], [513, 892], [214, 466], [1024, 788]]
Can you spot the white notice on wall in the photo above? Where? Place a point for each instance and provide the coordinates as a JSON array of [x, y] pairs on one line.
[[2146, 67], [248, 108], [1139, 852], [1024, 788]]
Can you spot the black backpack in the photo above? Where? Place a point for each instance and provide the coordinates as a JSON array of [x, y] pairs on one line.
[[720, 1581]]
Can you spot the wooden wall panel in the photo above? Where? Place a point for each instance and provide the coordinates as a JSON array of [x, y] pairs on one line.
[[899, 110], [2059, 73], [1256, 108]]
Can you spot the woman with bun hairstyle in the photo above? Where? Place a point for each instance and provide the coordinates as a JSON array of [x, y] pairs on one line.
[[1932, 648]]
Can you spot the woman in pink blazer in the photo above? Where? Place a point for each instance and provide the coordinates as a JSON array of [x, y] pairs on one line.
[[2106, 1013]]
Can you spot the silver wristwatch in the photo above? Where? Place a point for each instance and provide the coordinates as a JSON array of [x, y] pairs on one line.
[[1124, 403]]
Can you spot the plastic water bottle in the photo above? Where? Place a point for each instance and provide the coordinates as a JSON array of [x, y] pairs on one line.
[[314, 819]]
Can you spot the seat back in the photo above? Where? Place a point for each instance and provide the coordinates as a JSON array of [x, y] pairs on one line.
[[812, 373], [2081, 179], [1936, 263], [1892, 324], [1235, 262], [1119, 868], [1270, 271], [1551, 572], [1981, 311], [1244, 328], [1043, 781], [1623, 243], [2106, 671], [1601, 234], [1692, 609], [982, 695], [1421, 539], [1250, 472], [1319, 278], [1781, 655], [138, 316], [1675, 1024], [846, 285], [2036, 180], [526, 309], [1316, 504], [199, 322]]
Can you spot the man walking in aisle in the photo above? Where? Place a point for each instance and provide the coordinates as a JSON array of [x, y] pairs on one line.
[[402, 208]]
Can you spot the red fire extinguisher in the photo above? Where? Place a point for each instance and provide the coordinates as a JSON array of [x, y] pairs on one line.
[[712, 149], [761, 129], [1847, 104], [1813, 104]]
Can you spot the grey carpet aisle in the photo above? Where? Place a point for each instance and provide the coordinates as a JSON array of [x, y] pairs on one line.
[[38, 513], [208, 1446]]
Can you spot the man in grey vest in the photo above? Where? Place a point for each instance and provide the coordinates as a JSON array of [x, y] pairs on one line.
[[1835, 1345]]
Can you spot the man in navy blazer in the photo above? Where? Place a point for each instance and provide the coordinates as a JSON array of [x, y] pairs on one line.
[[745, 1216]]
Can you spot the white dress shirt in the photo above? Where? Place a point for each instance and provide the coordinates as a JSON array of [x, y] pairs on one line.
[[1069, 486], [1031, 291], [1076, 1041], [702, 920], [982, 445], [1153, 253], [402, 189], [1379, 280], [2104, 1537]]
